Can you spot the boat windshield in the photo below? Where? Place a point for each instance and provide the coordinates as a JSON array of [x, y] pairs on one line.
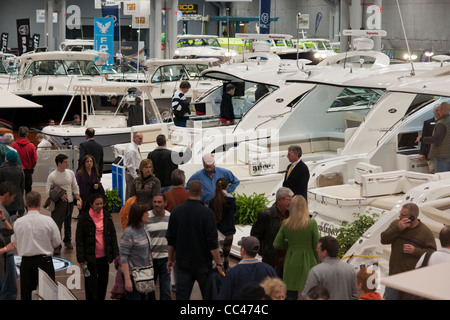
[[178, 72], [324, 45], [62, 68], [200, 42], [355, 99]]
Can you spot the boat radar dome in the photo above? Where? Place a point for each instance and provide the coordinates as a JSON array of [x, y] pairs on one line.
[[363, 44]]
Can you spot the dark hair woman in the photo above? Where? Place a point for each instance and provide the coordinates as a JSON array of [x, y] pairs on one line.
[[224, 206], [87, 177], [135, 249], [96, 246]]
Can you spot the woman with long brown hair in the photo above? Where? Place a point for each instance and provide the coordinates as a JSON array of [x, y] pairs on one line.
[[224, 206], [87, 177], [299, 235]]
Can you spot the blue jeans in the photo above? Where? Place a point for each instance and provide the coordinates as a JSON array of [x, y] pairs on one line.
[[134, 295], [160, 267], [181, 122], [442, 164], [390, 294], [8, 285], [186, 278]]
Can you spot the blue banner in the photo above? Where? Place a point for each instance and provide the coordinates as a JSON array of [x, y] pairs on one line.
[[104, 37], [318, 18], [112, 12], [264, 17]]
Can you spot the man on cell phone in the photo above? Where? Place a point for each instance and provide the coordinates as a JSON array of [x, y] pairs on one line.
[[409, 239]]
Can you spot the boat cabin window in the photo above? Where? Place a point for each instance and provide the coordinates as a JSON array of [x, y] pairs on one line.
[[194, 70], [355, 99], [170, 73], [406, 142], [61, 68], [200, 42]]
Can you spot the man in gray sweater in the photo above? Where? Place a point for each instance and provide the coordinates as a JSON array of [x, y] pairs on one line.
[[337, 276]]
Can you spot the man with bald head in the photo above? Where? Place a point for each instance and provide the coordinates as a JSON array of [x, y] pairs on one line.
[[440, 140]]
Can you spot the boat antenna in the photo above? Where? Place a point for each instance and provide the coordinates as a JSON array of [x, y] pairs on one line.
[[406, 39]]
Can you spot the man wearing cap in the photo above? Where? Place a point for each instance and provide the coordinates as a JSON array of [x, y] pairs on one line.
[[249, 269], [11, 171], [209, 176], [226, 105]]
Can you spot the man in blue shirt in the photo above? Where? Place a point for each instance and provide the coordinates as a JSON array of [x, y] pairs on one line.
[[209, 176]]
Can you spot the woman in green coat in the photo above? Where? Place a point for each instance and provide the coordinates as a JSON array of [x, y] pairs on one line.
[[299, 235]]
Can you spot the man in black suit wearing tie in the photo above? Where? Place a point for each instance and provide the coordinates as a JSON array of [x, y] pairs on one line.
[[427, 131], [93, 148], [297, 173]]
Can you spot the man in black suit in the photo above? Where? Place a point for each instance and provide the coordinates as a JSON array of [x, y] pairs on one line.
[[297, 173], [165, 161], [93, 148]]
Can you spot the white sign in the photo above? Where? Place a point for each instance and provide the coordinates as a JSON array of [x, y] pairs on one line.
[[74, 20], [40, 16], [374, 20], [98, 3]]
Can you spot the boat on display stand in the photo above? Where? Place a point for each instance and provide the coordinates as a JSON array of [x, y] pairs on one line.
[[378, 175], [110, 123], [49, 78]]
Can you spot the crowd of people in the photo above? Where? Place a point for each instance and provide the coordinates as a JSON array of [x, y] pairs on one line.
[[184, 229]]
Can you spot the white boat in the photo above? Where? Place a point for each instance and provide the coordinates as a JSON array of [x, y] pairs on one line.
[[110, 124], [192, 46], [167, 74], [319, 48], [49, 78], [380, 175]]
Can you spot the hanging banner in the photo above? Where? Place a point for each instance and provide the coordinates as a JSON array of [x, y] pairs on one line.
[[318, 18], [264, 17], [104, 37], [4, 43], [23, 35], [112, 12], [36, 39]]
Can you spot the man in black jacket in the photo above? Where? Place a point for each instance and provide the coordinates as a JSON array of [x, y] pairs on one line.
[[93, 148], [297, 173], [165, 161], [267, 225], [192, 243], [226, 106]]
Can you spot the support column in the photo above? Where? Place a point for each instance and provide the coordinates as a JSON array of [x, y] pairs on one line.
[[48, 26]]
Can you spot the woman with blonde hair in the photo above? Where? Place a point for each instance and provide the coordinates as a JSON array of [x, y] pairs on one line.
[[274, 288], [299, 235]]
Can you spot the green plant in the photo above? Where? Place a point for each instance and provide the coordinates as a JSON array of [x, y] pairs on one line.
[[349, 233], [113, 203], [247, 207]]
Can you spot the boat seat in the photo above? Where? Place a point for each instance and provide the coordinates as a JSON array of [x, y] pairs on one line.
[[438, 211], [341, 195], [387, 202]]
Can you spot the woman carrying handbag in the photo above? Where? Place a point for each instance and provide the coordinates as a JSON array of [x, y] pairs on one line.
[[135, 256]]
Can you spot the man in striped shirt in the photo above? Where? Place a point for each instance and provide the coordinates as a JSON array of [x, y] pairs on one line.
[[158, 220], [179, 103]]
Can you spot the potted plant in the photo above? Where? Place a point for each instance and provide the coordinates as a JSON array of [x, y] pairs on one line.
[[113, 203], [247, 207]]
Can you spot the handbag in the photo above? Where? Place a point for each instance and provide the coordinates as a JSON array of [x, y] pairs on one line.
[[144, 277]]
